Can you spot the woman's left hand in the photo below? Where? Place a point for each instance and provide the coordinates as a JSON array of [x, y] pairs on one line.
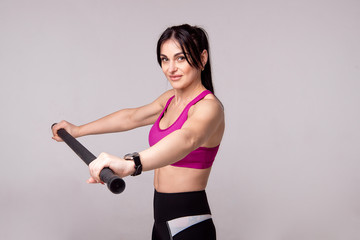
[[119, 166]]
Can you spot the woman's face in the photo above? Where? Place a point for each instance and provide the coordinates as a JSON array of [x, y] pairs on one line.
[[175, 67]]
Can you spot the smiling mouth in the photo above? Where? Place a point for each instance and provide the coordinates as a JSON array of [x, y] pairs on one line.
[[175, 77]]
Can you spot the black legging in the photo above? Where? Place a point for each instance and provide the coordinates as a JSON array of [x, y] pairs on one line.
[[171, 206]]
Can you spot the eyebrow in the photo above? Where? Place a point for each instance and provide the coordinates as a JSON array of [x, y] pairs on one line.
[[176, 54]]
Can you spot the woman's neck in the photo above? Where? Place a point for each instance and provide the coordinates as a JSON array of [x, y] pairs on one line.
[[184, 96]]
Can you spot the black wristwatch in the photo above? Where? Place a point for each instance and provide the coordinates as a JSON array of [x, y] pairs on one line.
[[136, 158]]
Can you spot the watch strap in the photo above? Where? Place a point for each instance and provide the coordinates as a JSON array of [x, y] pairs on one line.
[[136, 158]]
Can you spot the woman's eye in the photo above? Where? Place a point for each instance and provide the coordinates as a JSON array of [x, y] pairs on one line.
[[181, 58], [164, 59]]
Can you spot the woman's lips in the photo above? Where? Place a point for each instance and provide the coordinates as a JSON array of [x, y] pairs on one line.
[[174, 77]]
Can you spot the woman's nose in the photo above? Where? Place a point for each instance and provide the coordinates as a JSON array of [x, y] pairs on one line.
[[172, 66]]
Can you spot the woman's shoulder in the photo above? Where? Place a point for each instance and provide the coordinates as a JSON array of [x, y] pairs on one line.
[[212, 101], [164, 97], [209, 105], [168, 94]]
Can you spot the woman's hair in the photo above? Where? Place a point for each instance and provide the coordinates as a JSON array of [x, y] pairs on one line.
[[193, 41]]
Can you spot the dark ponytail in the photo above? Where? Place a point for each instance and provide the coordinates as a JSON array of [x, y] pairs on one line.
[[193, 41]]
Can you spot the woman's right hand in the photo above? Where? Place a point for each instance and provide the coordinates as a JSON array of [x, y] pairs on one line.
[[70, 128]]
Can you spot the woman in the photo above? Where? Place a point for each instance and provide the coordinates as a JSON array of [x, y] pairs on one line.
[[188, 125]]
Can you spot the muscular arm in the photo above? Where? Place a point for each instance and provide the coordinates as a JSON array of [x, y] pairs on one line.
[[122, 120], [126, 119], [204, 127], [197, 131], [119, 121]]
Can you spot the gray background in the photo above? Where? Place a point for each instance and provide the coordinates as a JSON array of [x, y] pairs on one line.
[[286, 71]]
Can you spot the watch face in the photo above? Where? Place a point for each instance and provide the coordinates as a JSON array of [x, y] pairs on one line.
[[131, 155], [128, 157]]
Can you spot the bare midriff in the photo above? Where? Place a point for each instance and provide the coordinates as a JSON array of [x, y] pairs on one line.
[[172, 179]]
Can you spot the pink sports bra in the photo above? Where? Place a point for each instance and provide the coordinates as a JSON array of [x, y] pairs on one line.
[[201, 157]]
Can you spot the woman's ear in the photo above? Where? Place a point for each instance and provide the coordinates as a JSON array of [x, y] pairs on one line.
[[204, 58]]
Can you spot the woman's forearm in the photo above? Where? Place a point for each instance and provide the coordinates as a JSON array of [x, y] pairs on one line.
[[116, 122]]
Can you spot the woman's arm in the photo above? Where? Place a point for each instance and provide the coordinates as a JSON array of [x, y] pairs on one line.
[[199, 129], [203, 124], [119, 121]]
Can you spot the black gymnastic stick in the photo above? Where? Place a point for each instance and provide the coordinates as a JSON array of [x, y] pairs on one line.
[[115, 183]]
